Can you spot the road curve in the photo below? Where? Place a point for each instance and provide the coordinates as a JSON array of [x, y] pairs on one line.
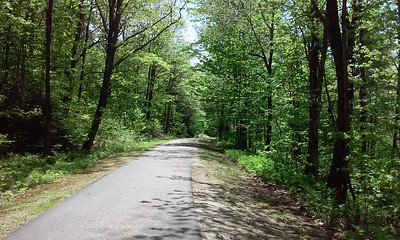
[[148, 198]]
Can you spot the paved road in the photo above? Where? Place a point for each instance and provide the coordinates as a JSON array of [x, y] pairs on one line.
[[149, 198]]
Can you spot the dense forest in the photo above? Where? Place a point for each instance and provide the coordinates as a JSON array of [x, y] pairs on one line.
[[306, 92], [68, 66]]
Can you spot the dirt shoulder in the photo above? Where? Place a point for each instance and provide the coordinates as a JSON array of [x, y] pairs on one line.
[[232, 204]]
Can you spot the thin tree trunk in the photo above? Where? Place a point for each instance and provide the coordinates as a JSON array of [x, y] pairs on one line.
[[363, 96], [268, 137], [47, 105], [115, 11], [70, 73], [6, 62], [241, 132], [23, 51], [267, 58], [363, 111], [395, 149], [268, 133], [317, 72], [136, 80], [330, 106], [221, 123], [84, 51], [352, 28], [149, 92], [168, 117], [168, 105]]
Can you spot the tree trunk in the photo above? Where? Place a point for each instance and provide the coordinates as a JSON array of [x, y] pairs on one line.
[[352, 28], [339, 176], [268, 137], [266, 57], [241, 136], [23, 52], [149, 92], [221, 122], [6, 61], [84, 51], [168, 104], [315, 93], [115, 12], [168, 117], [395, 149], [70, 73], [363, 96], [317, 72], [296, 128], [47, 150], [268, 133]]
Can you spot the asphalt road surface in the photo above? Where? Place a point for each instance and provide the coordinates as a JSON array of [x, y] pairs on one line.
[[148, 198]]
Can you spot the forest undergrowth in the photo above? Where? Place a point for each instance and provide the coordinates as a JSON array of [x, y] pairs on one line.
[[366, 217]]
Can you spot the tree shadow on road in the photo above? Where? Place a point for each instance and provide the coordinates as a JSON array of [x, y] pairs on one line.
[[177, 220], [179, 210]]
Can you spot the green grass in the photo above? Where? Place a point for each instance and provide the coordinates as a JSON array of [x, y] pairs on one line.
[[46, 205], [256, 164]]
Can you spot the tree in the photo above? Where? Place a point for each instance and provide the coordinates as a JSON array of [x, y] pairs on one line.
[[72, 70], [150, 89], [47, 106], [339, 177], [265, 51], [85, 48], [170, 90], [395, 140], [317, 72], [112, 27]]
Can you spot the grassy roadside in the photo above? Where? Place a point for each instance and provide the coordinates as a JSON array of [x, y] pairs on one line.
[[27, 198], [233, 203]]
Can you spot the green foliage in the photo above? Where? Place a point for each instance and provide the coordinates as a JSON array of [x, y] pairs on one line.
[[4, 140], [37, 177], [309, 191], [256, 164], [77, 66]]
